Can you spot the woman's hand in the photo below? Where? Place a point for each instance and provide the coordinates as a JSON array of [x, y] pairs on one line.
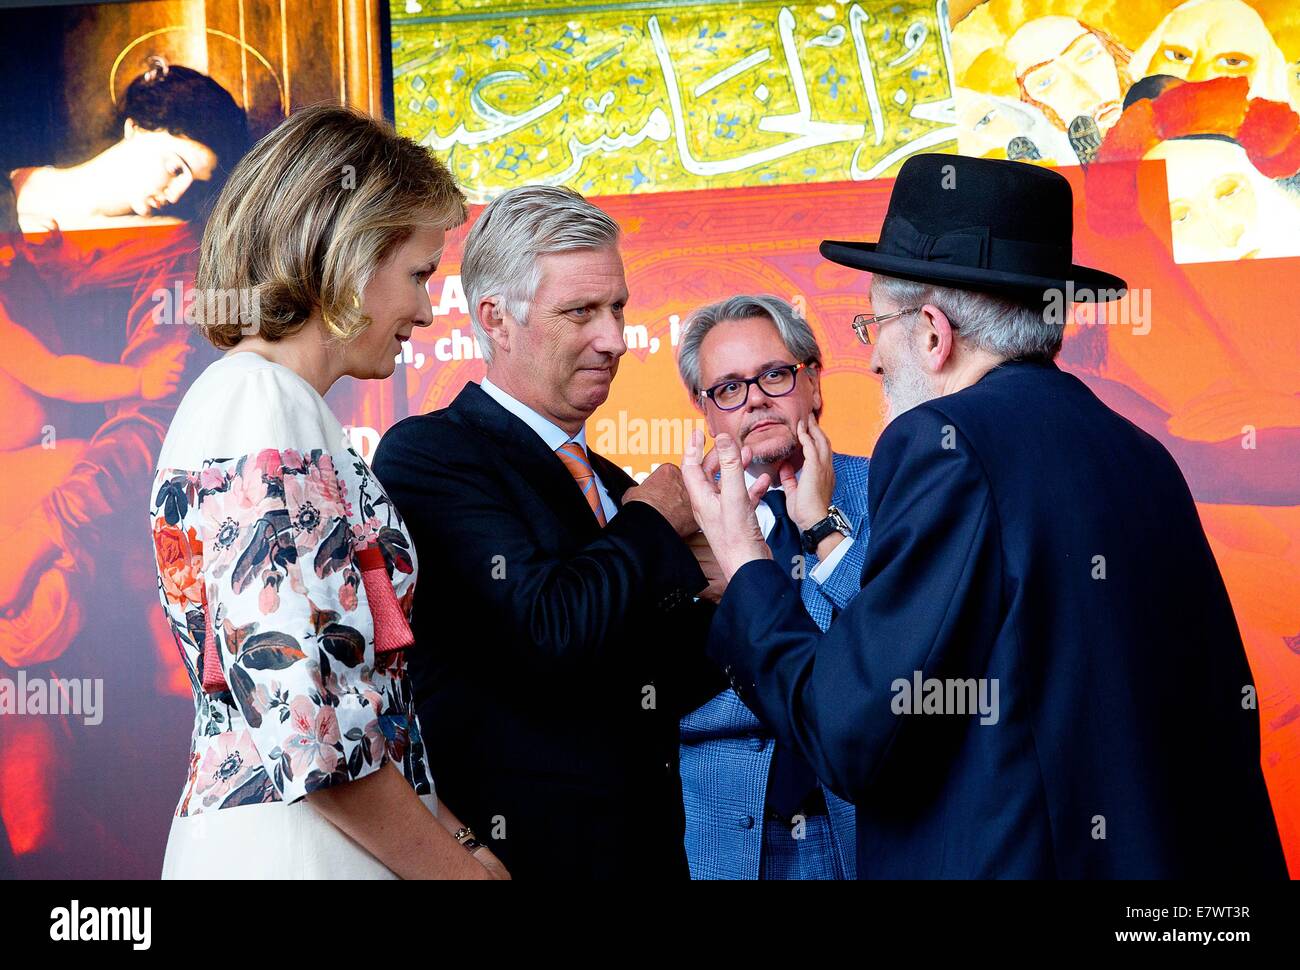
[[483, 855], [383, 814]]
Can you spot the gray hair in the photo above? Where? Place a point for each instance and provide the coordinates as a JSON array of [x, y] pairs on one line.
[[794, 330], [501, 250], [1000, 326]]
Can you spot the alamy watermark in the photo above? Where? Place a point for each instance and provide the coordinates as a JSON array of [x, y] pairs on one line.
[[623, 434], [1132, 311], [931, 695], [214, 307], [76, 923], [76, 697]]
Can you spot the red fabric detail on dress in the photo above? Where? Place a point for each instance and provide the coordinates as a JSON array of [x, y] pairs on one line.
[[214, 681], [392, 632]]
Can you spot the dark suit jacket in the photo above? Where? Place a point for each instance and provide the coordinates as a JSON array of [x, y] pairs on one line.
[[552, 658], [1023, 533]]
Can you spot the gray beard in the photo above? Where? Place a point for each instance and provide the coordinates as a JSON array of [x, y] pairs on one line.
[[774, 457], [905, 390]]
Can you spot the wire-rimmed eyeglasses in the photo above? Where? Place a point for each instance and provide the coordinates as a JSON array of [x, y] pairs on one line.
[[867, 325]]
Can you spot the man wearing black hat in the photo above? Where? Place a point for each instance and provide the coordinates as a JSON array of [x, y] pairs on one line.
[[1042, 675]]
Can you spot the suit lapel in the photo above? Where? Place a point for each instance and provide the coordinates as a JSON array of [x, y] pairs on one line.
[[522, 448]]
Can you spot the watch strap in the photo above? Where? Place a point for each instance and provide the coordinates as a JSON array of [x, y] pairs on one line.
[[834, 522]]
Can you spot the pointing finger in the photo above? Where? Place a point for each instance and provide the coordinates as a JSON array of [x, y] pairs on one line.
[[805, 440], [789, 483], [732, 484], [694, 453], [698, 482], [819, 436]]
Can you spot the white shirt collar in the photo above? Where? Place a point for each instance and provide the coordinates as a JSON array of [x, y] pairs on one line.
[[548, 431], [751, 478]]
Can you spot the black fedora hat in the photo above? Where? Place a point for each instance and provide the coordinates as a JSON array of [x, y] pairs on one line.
[[980, 224]]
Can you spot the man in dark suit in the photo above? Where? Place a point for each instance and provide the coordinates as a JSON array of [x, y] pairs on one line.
[[557, 634], [1042, 675]]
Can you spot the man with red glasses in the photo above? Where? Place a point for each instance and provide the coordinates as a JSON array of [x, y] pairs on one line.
[[754, 808]]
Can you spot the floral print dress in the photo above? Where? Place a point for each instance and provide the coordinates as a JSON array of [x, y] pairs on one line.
[[260, 513]]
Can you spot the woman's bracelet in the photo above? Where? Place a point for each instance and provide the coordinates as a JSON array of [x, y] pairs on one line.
[[465, 836]]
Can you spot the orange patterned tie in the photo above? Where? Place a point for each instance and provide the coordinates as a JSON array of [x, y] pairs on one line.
[[575, 460]]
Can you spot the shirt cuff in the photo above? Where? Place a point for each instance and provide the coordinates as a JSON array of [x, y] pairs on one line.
[[822, 571]]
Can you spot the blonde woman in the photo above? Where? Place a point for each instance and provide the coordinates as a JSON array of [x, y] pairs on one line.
[[286, 574]]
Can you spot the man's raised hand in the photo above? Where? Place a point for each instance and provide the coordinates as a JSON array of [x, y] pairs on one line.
[[725, 508], [662, 491], [808, 497]]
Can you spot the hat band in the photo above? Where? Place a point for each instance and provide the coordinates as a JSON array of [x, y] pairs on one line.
[[975, 247]]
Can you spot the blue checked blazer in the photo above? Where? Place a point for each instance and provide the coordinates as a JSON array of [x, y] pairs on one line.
[[726, 752]]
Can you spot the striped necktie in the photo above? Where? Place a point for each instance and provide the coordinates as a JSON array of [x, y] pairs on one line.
[[575, 460]]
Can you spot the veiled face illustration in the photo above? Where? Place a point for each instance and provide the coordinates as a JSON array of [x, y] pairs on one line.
[[1068, 70], [1220, 207], [1215, 38]]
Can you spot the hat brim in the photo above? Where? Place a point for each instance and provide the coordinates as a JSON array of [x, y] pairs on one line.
[[1087, 285]]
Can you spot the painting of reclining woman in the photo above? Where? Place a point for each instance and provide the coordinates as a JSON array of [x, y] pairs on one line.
[[88, 378]]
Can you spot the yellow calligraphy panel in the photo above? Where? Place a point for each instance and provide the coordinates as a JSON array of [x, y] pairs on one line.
[[612, 98]]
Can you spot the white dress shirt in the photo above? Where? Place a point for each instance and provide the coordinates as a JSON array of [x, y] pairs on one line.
[[766, 519], [554, 436]]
